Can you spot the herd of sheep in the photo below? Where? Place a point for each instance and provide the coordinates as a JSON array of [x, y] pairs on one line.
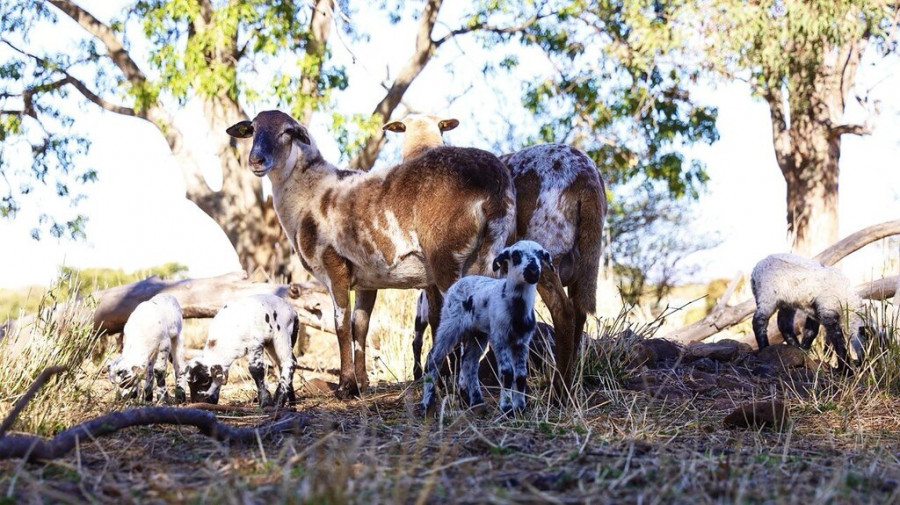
[[480, 235]]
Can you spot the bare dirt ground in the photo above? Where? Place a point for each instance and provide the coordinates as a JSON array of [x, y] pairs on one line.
[[651, 432]]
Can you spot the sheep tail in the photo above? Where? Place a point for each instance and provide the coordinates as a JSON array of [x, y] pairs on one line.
[[589, 245], [499, 228]]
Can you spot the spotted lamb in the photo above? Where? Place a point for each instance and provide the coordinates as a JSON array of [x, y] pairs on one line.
[[787, 282], [478, 310], [152, 335], [247, 327]]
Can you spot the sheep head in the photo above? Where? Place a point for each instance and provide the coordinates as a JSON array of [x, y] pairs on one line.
[[279, 142], [205, 381], [125, 378], [523, 260], [423, 131]]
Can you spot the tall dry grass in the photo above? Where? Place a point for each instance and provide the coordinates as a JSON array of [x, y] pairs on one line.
[[63, 335]]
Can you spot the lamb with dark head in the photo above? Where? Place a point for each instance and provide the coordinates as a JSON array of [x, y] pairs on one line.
[[479, 310]]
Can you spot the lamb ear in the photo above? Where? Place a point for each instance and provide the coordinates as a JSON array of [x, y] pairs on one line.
[[394, 126], [299, 133], [241, 130], [548, 260], [500, 261], [448, 124], [216, 372]]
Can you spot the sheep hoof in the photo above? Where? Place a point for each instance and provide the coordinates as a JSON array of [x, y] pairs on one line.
[[180, 397], [346, 390]]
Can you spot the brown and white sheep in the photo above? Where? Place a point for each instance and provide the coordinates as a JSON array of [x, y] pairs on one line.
[[419, 224], [561, 204]]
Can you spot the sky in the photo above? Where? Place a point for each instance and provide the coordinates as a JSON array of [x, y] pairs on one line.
[[138, 216]]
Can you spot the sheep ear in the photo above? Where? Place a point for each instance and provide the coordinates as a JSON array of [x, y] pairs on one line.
[[300, 135], [548, 260], [394, 126], [241, 130], [216, 372], [500, 261], [448, 124]]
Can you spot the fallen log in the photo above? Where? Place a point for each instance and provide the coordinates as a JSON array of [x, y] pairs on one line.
[[34, 448], [726, 317], [199, 298]]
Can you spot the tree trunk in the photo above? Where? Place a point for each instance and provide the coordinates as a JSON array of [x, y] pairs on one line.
[[806, 108], [812, 192]]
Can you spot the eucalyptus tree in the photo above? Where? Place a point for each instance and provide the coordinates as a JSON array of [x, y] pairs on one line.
[[618, 86], [802, 57]]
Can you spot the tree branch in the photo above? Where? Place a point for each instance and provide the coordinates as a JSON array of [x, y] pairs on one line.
[[107, 36], [484, 27], [100, 101], [34, 448], [849, 129], [422, 53], [319, 29]]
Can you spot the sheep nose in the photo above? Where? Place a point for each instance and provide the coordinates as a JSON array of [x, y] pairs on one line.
[[256, 159], [532, 272]]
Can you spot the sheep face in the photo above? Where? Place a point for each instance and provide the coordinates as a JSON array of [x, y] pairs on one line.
[[523, 261], [205, 381], [278, 141], [423, 131], [126, 379]]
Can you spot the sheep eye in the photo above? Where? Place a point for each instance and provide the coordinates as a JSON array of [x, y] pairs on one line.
[[516, 257]]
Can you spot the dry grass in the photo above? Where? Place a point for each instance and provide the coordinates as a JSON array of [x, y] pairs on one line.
[[608, 444]]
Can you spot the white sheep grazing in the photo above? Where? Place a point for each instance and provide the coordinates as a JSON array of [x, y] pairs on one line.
[[247, 327], [787, 282], [561, 204], [423, 131], [152, 335], [479, 310], [421, 224]]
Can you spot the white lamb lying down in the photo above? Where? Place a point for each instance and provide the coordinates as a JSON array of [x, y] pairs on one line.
[[787, 282], [152, 335], [478, 310], [246, 327]]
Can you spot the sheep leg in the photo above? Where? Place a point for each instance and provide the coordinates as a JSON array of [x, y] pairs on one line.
[[258, 373], [785, 320], [810, 331], [445, 340], [835, 336], [159, 372], [506, 365], [435, 301], [760, 321], [562, 313], [339, 276], [469, 384], [519, 352], [178, 365], [359, 321], [148, 379], [421, 323], [284, 392]]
